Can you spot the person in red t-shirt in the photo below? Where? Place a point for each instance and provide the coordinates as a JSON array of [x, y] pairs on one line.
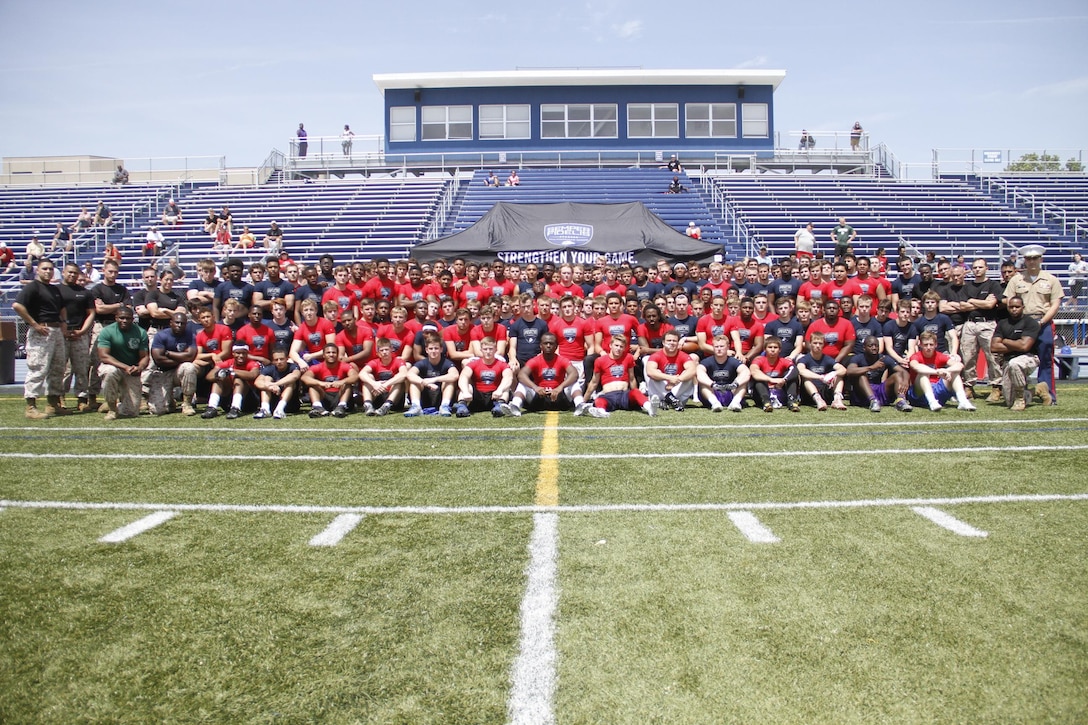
[[485, 383], [841, 285], [399, 334], [458, 338], [616, 322], [545, 382], [258, 336], [341, 293], [670, 373], [935, 376], [774, 379], [383, 380], [311, 336], [838, 332], [330, 383], [712, 324], [717, 284], [746, 332], [381, 286], [610, 285], [473, 290], [613, 374], [415, 289], [236, 375], [213, 341], [355, 341], [488, 327], [566, 285]]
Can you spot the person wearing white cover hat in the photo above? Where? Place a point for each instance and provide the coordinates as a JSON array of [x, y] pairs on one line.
[[1042, 294]]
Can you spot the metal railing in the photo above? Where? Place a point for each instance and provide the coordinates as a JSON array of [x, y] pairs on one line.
[[822, 141], [442, 210], [953, 161], [74, 170], [1041, 209]]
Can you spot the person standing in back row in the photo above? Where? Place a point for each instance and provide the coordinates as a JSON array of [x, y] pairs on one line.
[[303, 145], [843, 235], [345, 140], [855, 136]]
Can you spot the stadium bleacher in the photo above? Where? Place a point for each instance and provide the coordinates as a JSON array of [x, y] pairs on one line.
[[1059, 200], [946, 217]]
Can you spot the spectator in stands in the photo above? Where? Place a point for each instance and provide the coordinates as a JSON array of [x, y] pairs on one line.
[[35, 250], [843, 235], [493, 180], [7, 257], [226, 216], [84, 220], [171, 215], [211, 223], [303, 144], [103, 217], [1078, 275], [674, 165], [62, 242], [273, 239], [346, 138], [222, 244], [855, 136], [93, 275], [804, 242], [513, 179], [246, 240], [675, 187], [153, 243], [111, 252], [694, 231], [121, 175], [807, 142]]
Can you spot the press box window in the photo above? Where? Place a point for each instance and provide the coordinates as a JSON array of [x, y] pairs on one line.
[[402, 123], [653, 120], [447, 123], [582, 120], [710, 120], [755, 120], [504, 122]]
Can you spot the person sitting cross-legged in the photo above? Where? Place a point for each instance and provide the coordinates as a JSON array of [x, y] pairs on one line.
[[432, 380], [821, 375], [485, 383], [546, 381], [382, 380], [330, 384], [278, 381], [233, 375], [935, 376], [877, 378]]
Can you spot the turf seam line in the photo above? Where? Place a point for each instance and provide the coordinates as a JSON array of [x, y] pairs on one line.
[[752, 528], [340, 527], [949, 522], [137, 527], [1017, 449], [563, 508]]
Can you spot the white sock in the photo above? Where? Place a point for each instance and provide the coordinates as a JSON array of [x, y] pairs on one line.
[[213, 400], [281, 407], [236, 401]]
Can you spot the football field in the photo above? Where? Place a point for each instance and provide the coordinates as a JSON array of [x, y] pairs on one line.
[[696, 567]]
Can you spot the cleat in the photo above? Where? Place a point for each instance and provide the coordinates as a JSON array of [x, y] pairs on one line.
[[581, 408], [445, 411], [496, 410], [506, 410], [936, 407], [233, 413], [794, 406], [340, 411], [768, 408], [515, 410], [318, 412], [874, 406], [209, 413], [965, 405], [368, 409], [903, 406], [384, 410], [413, 412], [261, 414], [279, 415], [462, 410], [595, 412], [653, 406], [674, 403]]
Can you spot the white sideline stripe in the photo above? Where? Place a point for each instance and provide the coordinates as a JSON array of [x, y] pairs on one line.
[[537, 428], [340, 527], [947, 521], [138, 527], [536, 456], [562, 508], [751, 527], [533, 676]]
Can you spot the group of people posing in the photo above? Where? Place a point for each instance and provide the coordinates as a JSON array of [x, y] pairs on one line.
[[464, 338]]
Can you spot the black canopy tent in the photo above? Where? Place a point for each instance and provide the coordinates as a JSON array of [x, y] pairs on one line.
[[568, 232]]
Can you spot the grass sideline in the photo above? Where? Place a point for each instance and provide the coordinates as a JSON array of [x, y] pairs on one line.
[[855, 615]]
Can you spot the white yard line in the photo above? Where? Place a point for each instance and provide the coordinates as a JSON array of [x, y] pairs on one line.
[[533, 676], [1016, 449], [947, 521], [751, 527], [340, 527], [138, 527], [562, 508]]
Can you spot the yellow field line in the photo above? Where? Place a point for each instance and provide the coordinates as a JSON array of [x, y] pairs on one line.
[[547, 483]]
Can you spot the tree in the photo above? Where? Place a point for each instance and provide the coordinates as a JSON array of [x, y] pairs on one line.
[[1044, 162]]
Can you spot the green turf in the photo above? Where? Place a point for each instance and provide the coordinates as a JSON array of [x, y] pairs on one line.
[[856, 615]]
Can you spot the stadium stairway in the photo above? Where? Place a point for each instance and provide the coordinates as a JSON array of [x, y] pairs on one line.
[[1060, 201]]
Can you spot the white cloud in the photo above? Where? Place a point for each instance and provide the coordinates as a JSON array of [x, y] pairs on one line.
[[628, 31], [1072, 87], [757, 62]]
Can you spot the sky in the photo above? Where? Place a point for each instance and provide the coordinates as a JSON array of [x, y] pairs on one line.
[[234, 79]]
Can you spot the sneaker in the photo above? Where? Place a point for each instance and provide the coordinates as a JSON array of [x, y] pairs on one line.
[[188, 409], [233, 414], [515, 410], [208, 413], [445, 411], [318, 412], [112, 415], [462, 410], [279, 415], [368, 408], [874, 406], [506, 410], [966, 405], [261, 414], [653, 406], [384, 410], [340, 411], [496, 410], [768, 408], [794, 406], [1018, 405], [736, 406], [674, 403], [995, 396], [581, 408], [413, 412], [903, 406], [936, 407], [718, 408], [775, 403], [595, 412]]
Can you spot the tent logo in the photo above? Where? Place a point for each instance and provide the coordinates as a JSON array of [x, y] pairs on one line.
[[569, 234]]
